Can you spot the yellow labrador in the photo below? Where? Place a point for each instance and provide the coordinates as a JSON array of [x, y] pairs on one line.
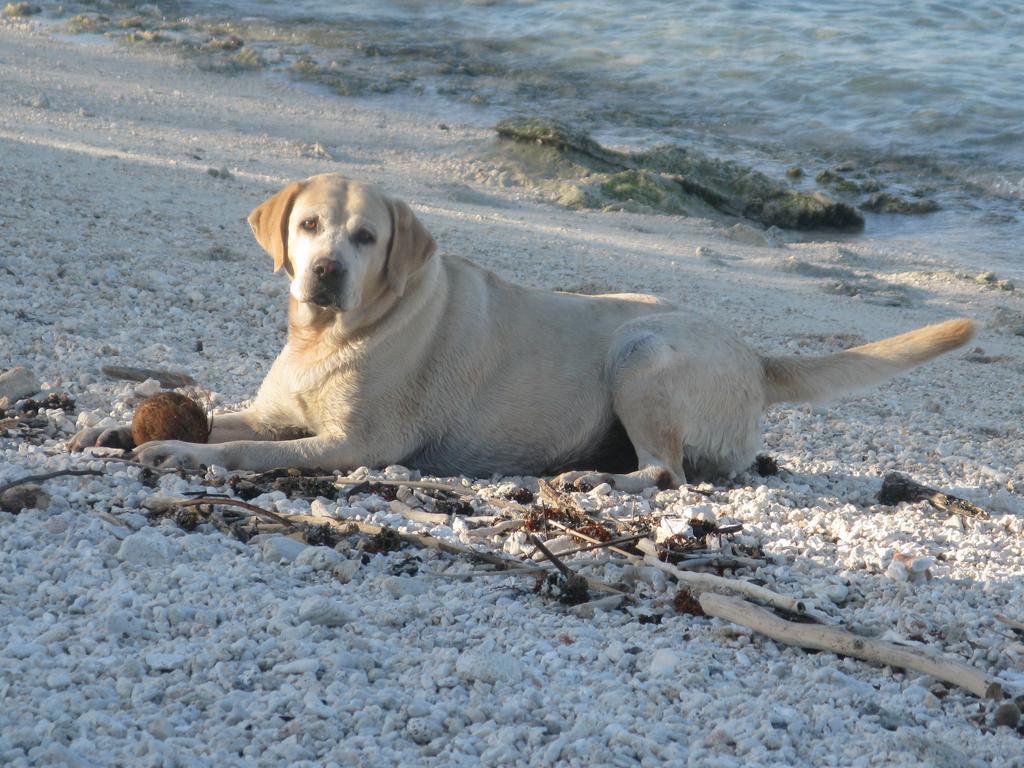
[[397, 356]]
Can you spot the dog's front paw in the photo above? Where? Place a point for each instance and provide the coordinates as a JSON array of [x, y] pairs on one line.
[[175, 454], [103, 437]]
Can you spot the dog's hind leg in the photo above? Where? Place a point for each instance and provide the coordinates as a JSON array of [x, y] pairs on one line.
[[638, 368], [686, 392], [651, 475]]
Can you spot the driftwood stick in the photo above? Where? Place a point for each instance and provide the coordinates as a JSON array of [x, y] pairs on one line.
[[897, 488], [1011, 623], [591, 539], [576, 588], [92, 453], [227, 501], [548, 494], [708, 582], [14, 421], [427, 485], [416, 539], [466, 575], [430, 542], [47, 476], [610, 544], [418, 515], [718, 561], [498, 528], [167, 379], [555, 560], [844, 643]]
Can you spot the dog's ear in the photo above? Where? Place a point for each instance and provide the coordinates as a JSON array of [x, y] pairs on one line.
[[269, 223], [410, 247]]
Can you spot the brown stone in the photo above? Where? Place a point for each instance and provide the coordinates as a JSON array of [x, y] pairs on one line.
[[170, 416]]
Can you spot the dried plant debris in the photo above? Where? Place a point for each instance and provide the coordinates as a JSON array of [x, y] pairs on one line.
[[766, 465], [34, 421], [675, 548], [409, 565], [897, 488], [294, 482], [385, 541], [385, 491], [60, 400], [596, 531], [706, 540], [540, 515], [188, 518], [568, 591], [451, 506], [325, 535], [520, 495], [685, 602]]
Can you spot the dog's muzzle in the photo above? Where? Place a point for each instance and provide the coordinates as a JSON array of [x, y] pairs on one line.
[[326, 280]]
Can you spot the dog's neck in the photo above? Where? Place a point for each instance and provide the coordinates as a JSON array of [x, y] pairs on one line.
[[315, 333]]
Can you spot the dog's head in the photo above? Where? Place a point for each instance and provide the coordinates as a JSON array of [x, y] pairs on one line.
[[341, 241]]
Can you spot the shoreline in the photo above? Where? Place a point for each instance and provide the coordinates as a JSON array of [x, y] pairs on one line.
[[919, 197], [124, 242]]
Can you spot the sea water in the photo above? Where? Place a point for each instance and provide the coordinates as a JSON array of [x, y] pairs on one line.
[[925, 97]]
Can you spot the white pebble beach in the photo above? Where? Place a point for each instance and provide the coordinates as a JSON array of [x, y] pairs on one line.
[[127, 176]]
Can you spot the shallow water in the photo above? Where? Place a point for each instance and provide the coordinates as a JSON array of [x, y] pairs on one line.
[[921, 97]]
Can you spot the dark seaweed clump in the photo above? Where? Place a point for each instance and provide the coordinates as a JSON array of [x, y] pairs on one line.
[[668, 179]]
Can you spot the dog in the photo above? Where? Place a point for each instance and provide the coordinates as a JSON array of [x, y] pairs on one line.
[[396, 355]]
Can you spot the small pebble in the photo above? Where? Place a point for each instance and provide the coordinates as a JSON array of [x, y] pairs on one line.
[[24, 496], [1008, 714]]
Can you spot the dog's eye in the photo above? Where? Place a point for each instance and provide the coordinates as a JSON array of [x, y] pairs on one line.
[[310, 224], [363, 237]]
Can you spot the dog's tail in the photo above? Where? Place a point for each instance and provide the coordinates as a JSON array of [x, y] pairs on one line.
[[795, 379]]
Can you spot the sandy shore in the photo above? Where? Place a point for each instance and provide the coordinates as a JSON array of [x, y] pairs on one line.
[[122, 240]]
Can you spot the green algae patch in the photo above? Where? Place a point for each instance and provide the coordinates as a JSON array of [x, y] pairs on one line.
[[883, 202], [642, 188], [144, 37], [838, 183], [579, 172], [248, 58], [559, 136], [20, 10], [85, 23]]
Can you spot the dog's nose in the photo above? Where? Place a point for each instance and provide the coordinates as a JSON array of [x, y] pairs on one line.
[[323, 267]]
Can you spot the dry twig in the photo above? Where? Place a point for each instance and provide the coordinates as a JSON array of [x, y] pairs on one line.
[[610, 544], [555, 560], [427, 485], [418, 515], [498, 528], [1011, 623], [48, 476], [167, 379], [839, 641], [227, 501], [706, 582], [592, 540], [574, 590], [730, 562], [430, 542], [897, 488]]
